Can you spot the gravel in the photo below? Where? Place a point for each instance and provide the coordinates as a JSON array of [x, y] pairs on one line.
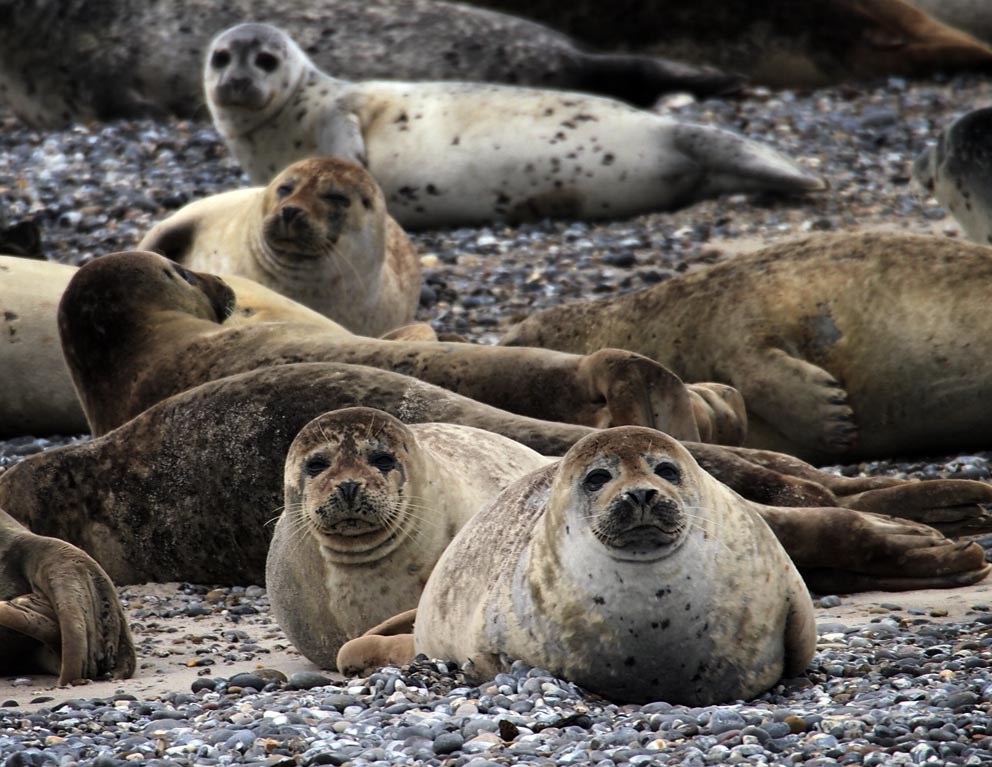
[[899, 687]]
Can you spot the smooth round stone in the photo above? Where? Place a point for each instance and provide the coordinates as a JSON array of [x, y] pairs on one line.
[[447, 742], [307, 680], [246, 680]]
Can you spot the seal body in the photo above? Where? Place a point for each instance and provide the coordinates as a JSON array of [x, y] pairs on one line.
[[370, 504], [508, 153], [628, 570], [36, 392], [957, 170], [137, 328], [971, 16], [784, 45], [843, 346], [55, 66], [318, 234]]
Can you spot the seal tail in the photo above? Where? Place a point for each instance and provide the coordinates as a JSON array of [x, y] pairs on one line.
[[733, 163], [641, 80]]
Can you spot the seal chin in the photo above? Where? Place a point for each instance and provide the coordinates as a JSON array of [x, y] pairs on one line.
[[237, 97], [357, 537]]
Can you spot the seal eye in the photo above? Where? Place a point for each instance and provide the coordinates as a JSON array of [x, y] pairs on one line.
[[284, 190], [595, 479], [668, 472], [188, 276], [316, 465], [220, 59], [336, 198], [266, 62], [384, 462]]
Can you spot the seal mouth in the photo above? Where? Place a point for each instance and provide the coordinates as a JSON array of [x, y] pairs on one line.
[[352, 527], [646, 538]]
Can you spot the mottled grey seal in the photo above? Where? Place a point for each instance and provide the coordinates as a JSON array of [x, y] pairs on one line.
[[318, 234], [184, 490], [505, 153], [55, 66], [782, 44], [137, 328], [58, 610], [957, 170], [627, 569], [843, 346], [370, 505]]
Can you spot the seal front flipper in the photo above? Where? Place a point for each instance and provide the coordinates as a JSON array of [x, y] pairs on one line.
[[95, 639], [840, 550], [953, 506], [389, 643], [806, 402], [340, 135], [720, 413]]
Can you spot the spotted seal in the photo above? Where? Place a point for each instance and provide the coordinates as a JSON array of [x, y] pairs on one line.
[[370, 504], [507, 153], [956, 170], [318, 234]]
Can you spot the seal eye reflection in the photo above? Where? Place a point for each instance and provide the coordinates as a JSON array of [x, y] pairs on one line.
[[595, 479], [316, 465], [266, 62], [668, 472], [384, 462], [220, 59], [284, 190]]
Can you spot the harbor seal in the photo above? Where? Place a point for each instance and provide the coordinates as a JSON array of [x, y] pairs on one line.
[[508, 153], [971, 16], [54, 69], [956, 170], [843, 346], [780, 44], [370, 504], [628, 570], [137, 328], [58, 610], [318, 234], [211, 468]]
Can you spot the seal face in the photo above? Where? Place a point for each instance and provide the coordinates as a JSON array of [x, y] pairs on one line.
[[508, 153]]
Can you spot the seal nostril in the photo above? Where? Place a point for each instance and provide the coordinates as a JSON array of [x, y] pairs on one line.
[[349, 490], [290, 213], [642, 496]]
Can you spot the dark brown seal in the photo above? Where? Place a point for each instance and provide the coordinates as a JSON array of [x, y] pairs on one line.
[[137, 328], [58, 610], [56, 65], [843, 346], [783, 44]]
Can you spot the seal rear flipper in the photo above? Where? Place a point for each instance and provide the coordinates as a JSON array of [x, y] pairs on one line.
[[641, 80], [732, 163], [33, 616], [827, 581], [172, 240], [720, 414]]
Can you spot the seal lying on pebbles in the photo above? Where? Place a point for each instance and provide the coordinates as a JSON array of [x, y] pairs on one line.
[[211, 464], [957, 170], [459, 153], [318, 234], [137, 328], [788, 45], [36, 392], [866, 357], [414, 39], [627, 569], [370, 504], [58, 609]]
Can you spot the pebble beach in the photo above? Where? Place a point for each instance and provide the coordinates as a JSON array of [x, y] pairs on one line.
[[898, 679]]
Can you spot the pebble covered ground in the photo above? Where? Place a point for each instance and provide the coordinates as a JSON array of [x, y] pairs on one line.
[[897, 686]]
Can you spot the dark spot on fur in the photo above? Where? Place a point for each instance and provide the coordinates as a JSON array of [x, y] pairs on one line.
[[9, 316], [456, 141], [431, 189], [599, 600], [608, 159]]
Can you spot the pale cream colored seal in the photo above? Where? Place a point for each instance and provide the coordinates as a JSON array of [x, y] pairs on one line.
[[450, 154], [844, 346], [370, 505], [318, 233]]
